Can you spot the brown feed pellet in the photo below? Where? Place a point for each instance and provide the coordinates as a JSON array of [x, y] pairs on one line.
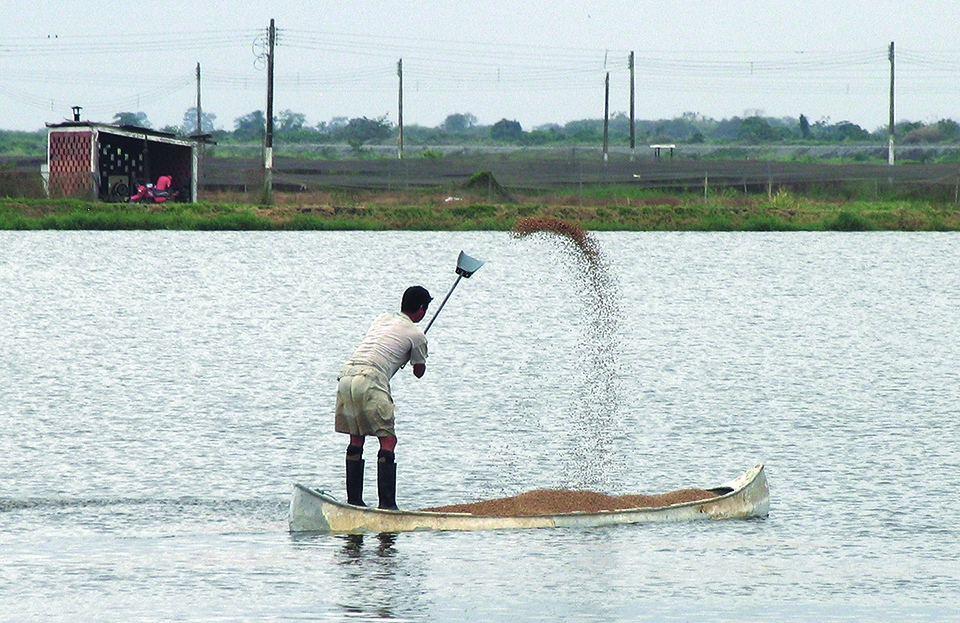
[[558, 501]]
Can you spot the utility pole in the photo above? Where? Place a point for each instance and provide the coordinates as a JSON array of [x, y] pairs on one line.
[[268, 138], [890, 158], [400, 107], [199, 109], [606, 116], [200, 144], [633, 124]]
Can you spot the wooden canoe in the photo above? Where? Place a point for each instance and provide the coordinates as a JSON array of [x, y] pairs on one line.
[[312, 510]]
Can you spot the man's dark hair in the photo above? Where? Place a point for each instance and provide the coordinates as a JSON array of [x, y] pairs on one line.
[[414, 298]]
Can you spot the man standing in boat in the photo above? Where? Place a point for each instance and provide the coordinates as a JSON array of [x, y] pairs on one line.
[[364, 403]]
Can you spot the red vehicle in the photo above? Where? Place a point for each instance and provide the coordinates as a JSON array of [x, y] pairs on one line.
[[159, 193]]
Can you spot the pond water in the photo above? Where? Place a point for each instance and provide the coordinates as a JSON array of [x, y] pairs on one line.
[[160, 392]]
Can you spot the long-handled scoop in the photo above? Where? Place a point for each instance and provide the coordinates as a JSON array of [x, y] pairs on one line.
[[466, 266]]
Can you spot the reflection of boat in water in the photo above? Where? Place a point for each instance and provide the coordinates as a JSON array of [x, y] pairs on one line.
[[312, 510]]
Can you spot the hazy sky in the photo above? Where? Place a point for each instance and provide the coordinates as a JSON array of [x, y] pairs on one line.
[[535, 62]]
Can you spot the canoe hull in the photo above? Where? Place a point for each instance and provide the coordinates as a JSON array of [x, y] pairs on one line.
[[315, 511]]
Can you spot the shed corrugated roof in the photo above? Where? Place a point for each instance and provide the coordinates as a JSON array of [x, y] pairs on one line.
[[200, 138]]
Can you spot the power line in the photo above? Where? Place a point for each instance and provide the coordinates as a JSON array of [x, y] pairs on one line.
[[126, 43], [330, 62]]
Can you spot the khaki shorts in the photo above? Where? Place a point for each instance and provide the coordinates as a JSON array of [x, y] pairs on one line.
[[363, 408]]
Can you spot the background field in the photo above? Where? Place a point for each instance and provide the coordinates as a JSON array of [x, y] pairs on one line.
[[569, 170]]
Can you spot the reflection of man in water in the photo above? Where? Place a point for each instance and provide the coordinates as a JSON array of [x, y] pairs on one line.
[[364, 404]]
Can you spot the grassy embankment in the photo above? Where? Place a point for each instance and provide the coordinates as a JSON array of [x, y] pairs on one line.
[[600, 209]]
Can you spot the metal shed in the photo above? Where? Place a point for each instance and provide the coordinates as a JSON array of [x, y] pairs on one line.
[[107, 162]]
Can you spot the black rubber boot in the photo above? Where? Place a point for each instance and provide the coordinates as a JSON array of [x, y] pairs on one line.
[[387, 480], [355, 476]]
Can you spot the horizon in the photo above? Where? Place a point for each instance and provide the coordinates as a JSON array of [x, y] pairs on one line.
[[699, 118]]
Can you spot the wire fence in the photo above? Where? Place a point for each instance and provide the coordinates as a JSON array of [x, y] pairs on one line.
[[556, 171], [548, 171]]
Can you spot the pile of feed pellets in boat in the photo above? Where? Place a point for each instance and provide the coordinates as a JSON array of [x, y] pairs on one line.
[[557, 501]]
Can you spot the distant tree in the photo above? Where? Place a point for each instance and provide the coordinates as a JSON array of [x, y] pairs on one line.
[[292, 127], [207, 120], [458, 122], [252, 126], [537, 137], [506, 130], [546, 133], [727, 129], [15, 142], [289, 121], [361, 130], [550, 127], [926, 134], [138, 119], [585, 130], [685, 127], [619, 126], [949, 129], [847, 131], [756, 130], [943, 131], [905, 127]]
